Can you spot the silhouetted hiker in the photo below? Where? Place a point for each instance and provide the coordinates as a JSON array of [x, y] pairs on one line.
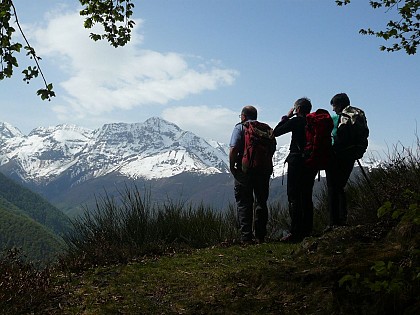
[[300, 178], [250, 160], [350, 142]]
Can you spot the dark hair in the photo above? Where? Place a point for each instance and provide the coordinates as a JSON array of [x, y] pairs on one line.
[[250, 112], [304, 104], [340, 100]]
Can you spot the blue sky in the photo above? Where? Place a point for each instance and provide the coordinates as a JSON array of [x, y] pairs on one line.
[[198, 62]]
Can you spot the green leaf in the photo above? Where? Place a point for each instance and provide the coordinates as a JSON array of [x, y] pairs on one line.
[[396, 214], [384, 209]]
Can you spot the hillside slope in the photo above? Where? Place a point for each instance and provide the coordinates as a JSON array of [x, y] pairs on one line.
[[271, 278], [36, 242], [32, 205], [30, 223]]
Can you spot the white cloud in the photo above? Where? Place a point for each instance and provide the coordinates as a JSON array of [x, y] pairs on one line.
[[101, 79], [211, 123]]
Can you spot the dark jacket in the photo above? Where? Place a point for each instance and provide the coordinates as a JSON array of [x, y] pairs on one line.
[[344, 143], [295, 125]]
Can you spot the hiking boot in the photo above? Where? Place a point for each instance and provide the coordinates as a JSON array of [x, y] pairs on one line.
[[290, 238], [327, 229], [286, 237], [246, 242], [260, 240], [330, 228]]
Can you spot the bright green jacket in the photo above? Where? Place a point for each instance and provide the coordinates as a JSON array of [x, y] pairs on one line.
[[335, 119]]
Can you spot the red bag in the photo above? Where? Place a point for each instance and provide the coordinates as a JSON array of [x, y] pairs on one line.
[[318, 148], [259, 147]]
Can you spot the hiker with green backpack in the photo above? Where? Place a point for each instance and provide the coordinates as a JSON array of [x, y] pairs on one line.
[[350, 141], [252, 146]]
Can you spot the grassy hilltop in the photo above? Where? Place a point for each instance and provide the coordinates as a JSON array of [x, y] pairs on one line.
[[272, 278]]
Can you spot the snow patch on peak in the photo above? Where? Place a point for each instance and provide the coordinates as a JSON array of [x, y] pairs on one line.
[[45, 131], [72, 127], [159, 125], [222, 147], [157, 120], [115, 127], [165, 164], [7, 131]]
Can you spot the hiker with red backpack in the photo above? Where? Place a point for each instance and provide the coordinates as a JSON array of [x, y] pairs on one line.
[[350, 142], [252, 146], [310, 149]]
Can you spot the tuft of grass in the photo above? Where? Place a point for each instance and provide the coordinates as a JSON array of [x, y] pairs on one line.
[[119, 230], [278, 221]]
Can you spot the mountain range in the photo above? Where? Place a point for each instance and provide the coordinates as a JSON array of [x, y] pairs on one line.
[[150, 150], [69, 165]]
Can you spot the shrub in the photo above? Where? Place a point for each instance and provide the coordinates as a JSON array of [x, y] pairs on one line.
[[392, 286], [386, 182], [23, 288]]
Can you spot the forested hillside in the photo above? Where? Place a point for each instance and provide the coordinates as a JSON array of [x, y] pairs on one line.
[[30, 223], [34, 206], [36, 242]]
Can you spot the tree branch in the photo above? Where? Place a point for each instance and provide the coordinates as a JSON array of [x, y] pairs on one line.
[[31, 51]]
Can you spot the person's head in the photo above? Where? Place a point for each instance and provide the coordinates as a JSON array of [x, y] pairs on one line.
[[249, 112], [339, 102], [303, 106]]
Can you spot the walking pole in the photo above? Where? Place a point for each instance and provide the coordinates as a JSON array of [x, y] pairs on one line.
[[369, 183], [364, 173]]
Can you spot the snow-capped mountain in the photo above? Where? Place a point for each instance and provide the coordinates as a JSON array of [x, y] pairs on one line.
[[153, 149], [7, 131], [150, 150]]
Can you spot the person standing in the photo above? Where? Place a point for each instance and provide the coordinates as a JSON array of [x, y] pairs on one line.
[[251, 184], [341, 166], [300, 178]]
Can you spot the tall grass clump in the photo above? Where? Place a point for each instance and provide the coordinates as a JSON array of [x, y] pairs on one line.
[[121, 229], [196, 226], [278, 221], [387, 182]]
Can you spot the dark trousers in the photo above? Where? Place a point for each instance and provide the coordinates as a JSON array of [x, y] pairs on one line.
[[250, 189], [300, 183], [337, 176]]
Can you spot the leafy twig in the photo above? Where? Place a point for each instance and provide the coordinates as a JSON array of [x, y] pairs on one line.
[[30, 72]]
